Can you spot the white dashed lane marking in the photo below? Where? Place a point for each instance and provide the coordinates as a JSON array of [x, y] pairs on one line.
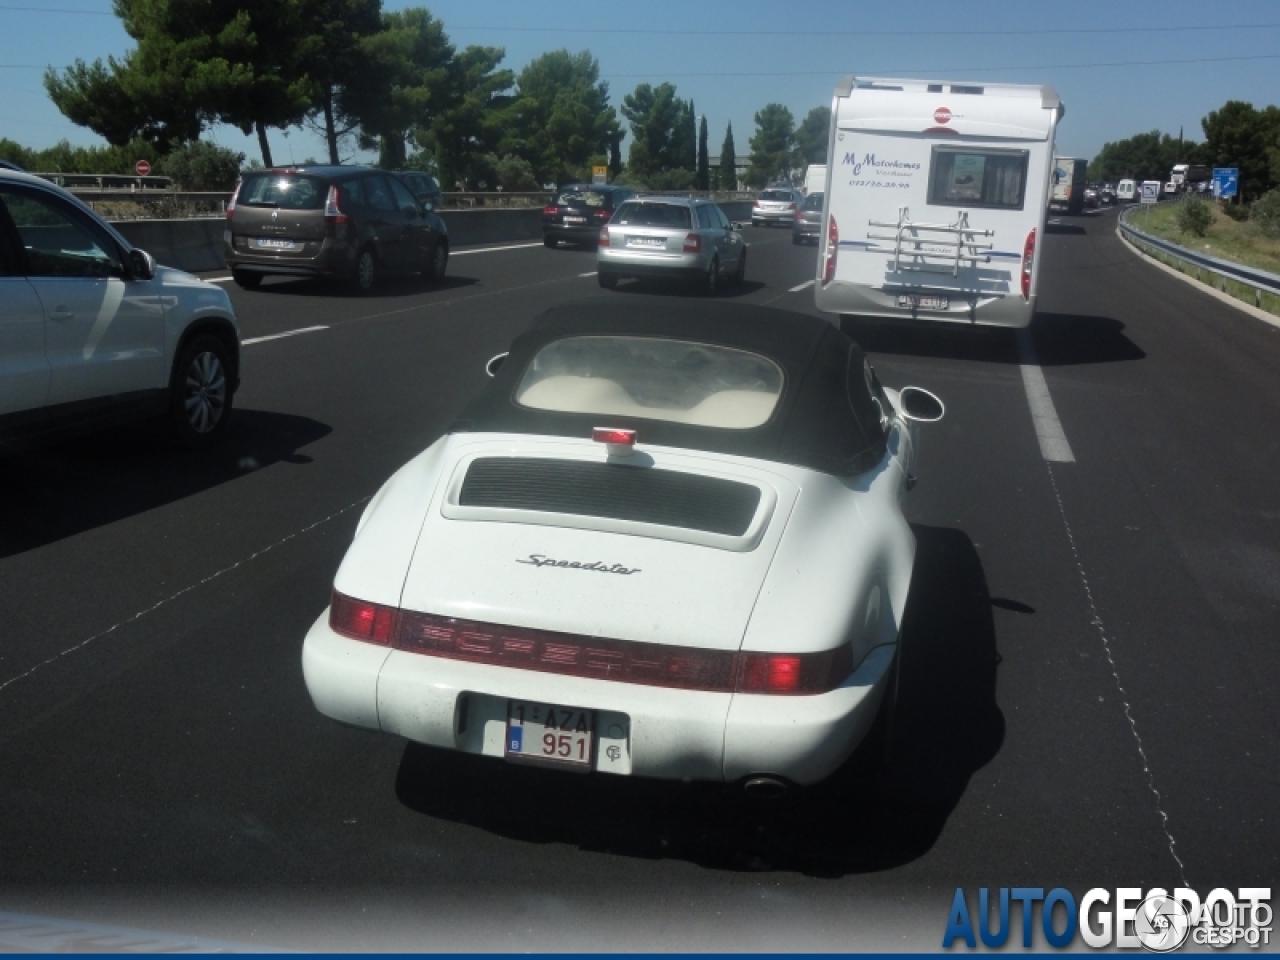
[[801, 286], [1053, 439], [277, 336]]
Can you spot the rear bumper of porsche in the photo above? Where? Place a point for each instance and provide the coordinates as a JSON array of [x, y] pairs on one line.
[[645, 731]]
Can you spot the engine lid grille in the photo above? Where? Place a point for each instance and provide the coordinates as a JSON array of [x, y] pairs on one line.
[[584, 488]]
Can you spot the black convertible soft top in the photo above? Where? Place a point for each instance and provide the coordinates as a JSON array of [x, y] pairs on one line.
[[827, 418]]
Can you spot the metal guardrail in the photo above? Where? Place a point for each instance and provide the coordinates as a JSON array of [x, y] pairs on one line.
[[1259, 280]]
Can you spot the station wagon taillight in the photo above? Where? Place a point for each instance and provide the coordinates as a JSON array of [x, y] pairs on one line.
[[833, 245], [568, 654], [692, 243], [1028, 261], [332, 207], [604, 236]]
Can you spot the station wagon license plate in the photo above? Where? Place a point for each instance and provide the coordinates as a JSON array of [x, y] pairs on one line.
[[266, 243], [914, 301], [646, 242], [546, 733]]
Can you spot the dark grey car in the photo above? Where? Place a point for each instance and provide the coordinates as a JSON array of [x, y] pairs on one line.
[[578, 211], [350, 223], [808, 222], [424, 187]]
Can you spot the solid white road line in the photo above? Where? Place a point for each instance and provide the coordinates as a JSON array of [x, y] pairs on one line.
[[216, 279], [802, 286], [1053, 439], [277, 336], [591, 273], [514, 246]]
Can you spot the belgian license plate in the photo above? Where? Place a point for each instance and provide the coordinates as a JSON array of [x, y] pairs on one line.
[[568, 219], [546, 733], [266, 243], [646, 242], [914, 301]]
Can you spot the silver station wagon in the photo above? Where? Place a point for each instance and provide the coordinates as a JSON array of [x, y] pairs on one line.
[[671, 238]]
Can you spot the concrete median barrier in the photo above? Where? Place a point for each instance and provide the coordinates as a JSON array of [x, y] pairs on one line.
[[196, 245]]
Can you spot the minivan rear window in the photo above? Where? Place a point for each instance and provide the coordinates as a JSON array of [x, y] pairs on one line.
[[288, 191], [972, 177], [642, 214]]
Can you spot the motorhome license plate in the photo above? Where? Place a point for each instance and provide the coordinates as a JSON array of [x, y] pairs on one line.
[[568, 219], [546, 733], [646, 242], [265, 243], [914, 301]]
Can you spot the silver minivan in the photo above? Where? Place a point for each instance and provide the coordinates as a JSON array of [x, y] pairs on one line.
[[672, 238]]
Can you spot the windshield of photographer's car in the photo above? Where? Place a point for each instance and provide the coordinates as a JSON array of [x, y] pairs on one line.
[[659, 379]]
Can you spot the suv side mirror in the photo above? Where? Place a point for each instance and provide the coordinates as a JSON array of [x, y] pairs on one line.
[[428, 206], [142, 265]]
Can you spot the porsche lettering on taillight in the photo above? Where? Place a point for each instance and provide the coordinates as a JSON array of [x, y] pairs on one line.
[[601, 658]]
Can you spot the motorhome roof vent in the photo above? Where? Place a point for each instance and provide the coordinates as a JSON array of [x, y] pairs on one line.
[[975, 91]]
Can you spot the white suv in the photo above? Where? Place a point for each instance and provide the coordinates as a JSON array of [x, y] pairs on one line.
[[93, 332]]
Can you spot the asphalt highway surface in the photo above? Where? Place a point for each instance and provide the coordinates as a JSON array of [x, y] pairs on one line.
[[1090, 660]]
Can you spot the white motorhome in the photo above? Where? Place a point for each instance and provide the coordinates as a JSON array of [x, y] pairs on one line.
[[815, 178], [936, 196]]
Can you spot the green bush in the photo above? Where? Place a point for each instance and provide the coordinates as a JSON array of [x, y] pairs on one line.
[[677, 179], [1265, 214], [1236, 211], [1195, 216], [201, 165]]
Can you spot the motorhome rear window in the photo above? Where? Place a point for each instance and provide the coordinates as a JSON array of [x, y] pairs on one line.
[[969, 177]]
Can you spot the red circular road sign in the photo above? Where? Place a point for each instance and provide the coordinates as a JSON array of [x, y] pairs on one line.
[[142, 168], [941, 115]]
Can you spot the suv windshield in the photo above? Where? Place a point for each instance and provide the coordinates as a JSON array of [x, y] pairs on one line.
[[658, 379], [588, 198], [288, 191], [643, 214]]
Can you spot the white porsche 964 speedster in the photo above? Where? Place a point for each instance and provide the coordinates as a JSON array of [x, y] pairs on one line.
[[667, 540]]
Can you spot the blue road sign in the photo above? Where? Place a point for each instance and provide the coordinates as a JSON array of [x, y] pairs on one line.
[[1226, 181]]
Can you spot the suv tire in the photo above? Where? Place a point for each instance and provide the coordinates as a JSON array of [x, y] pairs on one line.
[[711, 285], [200, 392]]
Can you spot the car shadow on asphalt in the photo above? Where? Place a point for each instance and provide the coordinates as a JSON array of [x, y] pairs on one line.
[[76, 485], [1060, 339], [863, 818], [1069, 229], [671, 288], [386, 288]]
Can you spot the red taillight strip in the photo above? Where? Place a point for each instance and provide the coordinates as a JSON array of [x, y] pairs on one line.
[[567, 654]]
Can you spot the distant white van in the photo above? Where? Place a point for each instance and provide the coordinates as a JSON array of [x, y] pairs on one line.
[[815, 178], [936, 196], [1127, 191]]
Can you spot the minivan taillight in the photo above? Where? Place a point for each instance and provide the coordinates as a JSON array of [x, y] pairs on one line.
[[692, 243], [332, 209], [833, 245], [231, 204], [1028, 261]]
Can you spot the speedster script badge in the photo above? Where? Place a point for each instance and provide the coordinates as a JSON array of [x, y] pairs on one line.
[[539, 560]]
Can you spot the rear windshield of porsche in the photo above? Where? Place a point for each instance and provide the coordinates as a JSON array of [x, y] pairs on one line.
[[287, 191], [658, 379]]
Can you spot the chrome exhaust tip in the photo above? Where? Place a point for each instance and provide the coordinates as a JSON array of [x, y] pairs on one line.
[[765, 788]]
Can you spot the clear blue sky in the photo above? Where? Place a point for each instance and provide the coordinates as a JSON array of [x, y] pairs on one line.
[[691, 44]]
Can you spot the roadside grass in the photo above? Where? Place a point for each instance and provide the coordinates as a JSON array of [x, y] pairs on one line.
[[1226, 239]]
